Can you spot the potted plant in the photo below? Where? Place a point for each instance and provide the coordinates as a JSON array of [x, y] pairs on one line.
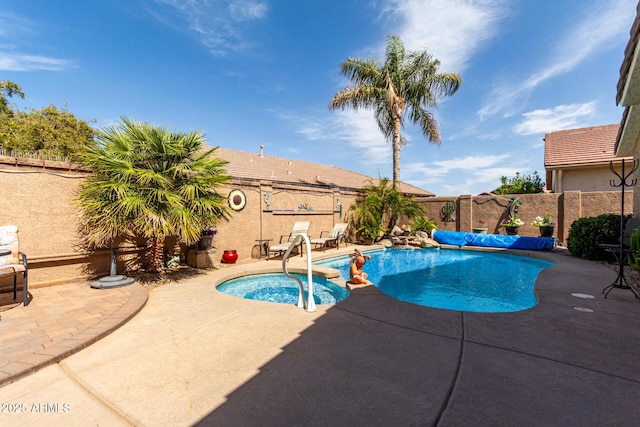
[[481, 228], [546, 225], [206, 238], [512, 226], [513, 223]]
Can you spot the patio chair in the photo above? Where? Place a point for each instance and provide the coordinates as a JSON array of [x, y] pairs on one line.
[[299, 227], [614, 248], [336, 233], [12, 261]]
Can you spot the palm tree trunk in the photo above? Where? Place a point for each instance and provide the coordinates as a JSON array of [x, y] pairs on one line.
[[155, 254], [397, 107], [396, 160]]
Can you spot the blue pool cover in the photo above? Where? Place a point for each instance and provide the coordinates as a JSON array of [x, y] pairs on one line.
[[459, 238]]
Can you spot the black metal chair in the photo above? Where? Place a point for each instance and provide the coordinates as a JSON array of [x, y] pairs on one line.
[[621, 251]]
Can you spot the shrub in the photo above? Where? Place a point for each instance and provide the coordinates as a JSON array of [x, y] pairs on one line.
[[586, 233], [521, 184], [422, 223]]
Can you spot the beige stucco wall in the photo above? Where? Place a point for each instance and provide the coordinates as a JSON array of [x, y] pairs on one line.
[[564, 208], [597, 178], [39, 201], [259, 221]]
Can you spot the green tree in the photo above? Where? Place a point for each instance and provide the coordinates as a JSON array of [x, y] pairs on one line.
[[7, 90], [382, 203], [521, 184], [148, 181], [47, 131], [404, 87]]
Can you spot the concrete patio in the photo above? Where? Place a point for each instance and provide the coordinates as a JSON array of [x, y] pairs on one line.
[[194, 356]]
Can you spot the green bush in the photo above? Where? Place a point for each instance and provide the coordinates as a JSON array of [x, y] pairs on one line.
[[586, 233], [422, 223]]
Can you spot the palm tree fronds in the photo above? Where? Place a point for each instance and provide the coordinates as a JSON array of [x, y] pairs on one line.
[[151, 182], [404, 86]]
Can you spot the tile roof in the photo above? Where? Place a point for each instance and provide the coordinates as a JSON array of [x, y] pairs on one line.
[[624, 80], [580, 147], [629, 52], [253, 166]]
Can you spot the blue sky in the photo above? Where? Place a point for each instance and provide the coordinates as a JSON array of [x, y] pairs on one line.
[[257, 72]]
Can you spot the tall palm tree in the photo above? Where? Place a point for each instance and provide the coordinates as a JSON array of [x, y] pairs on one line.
[[148, 181], [403, 87]]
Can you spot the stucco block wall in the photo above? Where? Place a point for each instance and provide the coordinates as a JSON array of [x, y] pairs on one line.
[[39, 202], [587, 180], [564, 208], [261, 221], [37, 197]]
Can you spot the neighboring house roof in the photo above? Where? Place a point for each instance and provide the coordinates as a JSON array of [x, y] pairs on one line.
[[580, 147], [252, 166]]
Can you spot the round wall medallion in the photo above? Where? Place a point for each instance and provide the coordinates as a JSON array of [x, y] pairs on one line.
[[237, 200]]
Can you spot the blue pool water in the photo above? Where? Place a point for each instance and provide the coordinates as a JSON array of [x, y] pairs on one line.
[[277, 288], [453, 279]]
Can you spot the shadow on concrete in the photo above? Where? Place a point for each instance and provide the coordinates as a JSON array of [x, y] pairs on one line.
[[372, 360]]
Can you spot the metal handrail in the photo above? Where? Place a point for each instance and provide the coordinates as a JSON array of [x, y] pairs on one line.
[[309, 303]]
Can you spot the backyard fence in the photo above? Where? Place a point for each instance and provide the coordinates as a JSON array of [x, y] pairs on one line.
[[36, 195]]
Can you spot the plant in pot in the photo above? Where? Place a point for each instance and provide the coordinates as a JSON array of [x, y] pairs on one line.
[[512, 226], [546, 225], [513, 223], [206, 238], [481, 228]]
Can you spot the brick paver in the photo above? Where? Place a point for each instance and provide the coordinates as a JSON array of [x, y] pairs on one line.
[[59, 321]]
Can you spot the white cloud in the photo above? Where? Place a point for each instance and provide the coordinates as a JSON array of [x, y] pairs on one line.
[[247, 10], [219, 24], [557, 118], [436, 25], [17, 62], [606, 21], [357, 129], [463, 175], [14, 27], [476, 18]]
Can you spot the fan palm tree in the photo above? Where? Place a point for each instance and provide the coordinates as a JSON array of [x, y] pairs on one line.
[[148, 181], [403, 87]]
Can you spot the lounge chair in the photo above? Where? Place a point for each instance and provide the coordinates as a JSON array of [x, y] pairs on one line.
[[299, 227], [336, 233], [12, 261]]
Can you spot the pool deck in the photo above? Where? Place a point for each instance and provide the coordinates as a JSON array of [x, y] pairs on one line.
[[194, 356]]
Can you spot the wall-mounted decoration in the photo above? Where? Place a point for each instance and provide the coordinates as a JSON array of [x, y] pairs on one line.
[[267, 200], [237, 200], [448, 210]]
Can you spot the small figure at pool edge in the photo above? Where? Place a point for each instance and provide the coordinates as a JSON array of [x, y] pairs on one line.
[[356, 275]]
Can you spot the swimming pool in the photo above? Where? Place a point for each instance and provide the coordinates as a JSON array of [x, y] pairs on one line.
[[277, 288], [452, 279]]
